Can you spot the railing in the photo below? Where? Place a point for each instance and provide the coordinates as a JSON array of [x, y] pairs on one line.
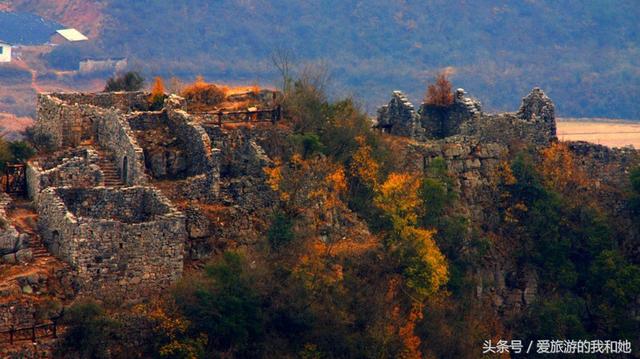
[[249, 116], [35, 331], [14, 179]]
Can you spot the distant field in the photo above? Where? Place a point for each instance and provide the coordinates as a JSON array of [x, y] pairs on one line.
[[610, 133]]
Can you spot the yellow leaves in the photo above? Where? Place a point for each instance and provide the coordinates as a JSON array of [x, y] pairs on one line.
[[157, 92], [158, 87], [426, 251], [398, 197], [274, 179], [337, 180], [424, 267], [505, 174], [559, 169], [363, 166]]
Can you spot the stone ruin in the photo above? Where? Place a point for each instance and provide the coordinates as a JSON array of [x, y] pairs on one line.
[[534, 122], [473, 145], [124, 243], [103, 192]]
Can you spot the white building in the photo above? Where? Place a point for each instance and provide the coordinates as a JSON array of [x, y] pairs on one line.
[[5, 52], [71, 35]]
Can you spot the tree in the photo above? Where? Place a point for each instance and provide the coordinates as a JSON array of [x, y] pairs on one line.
[[156, 99], [439, 93], [21, 151], [416, 254], [129, 81], [90, 332], [224, 306]]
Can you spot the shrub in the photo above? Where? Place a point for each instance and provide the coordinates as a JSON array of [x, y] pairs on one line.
[[156, 99], [202, 94], [89, 332], [439, 93], [224, 306], [42, 141], [280, 232], [21, 151], [309, 144], [129, 81]]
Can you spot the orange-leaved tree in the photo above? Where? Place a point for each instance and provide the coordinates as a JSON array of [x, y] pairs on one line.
[[156, 99], [439, 93]]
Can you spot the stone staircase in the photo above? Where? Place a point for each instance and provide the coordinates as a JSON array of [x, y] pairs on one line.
[[38, 249], [109, 170]]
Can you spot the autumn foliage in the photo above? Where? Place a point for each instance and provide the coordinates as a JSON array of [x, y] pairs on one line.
[[156, 98], [439, 93], [202, 95]]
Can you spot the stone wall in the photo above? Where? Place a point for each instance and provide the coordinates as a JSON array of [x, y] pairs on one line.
[[75, 121], [76, 168], [114, 134], [123, 101], [444, 121], [471, 163], [398, 117], [164, 154], [534, 123], [129, 254], [14, 246], [201, 156], [68, 124]]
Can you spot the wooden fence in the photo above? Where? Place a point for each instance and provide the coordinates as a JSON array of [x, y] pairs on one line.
[[248, 116], [32, 333]]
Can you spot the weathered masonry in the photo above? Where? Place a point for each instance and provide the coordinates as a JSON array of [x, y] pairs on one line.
[[125, 242]]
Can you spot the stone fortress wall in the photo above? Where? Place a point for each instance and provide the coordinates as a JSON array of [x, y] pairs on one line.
[[534, 122], [97, 193], [125, 242], [122, 239]]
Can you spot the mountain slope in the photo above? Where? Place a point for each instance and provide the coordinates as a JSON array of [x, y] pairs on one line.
[[584, 54]]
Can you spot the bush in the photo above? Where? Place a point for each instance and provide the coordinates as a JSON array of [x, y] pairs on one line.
[[89, 332], [130, 81], [201, 94], [156, 100], [308, 143], [21, 151], [42, 141], [224, 306], [280, 232]]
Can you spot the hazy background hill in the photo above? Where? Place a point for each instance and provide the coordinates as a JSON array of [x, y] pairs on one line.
[[584, 54]]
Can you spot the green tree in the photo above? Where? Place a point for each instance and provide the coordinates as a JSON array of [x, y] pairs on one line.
[[129, 81], [224, 306], [90, 332]]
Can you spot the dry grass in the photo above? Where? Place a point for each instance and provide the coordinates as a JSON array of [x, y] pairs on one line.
[[608, 133]]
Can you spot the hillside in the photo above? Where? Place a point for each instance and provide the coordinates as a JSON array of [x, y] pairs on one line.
[[585, 55]]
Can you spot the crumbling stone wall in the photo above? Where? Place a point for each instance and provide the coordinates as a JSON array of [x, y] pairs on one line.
[[77, 168], [123, 101], [164, 156], [70, 124], [534, 122], [398, 117], [444, 121], [121, 242], [114, 134]]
